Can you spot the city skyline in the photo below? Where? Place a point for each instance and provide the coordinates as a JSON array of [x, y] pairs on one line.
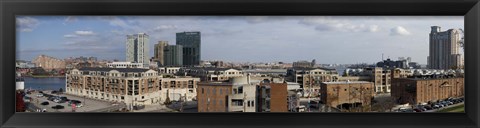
[[256, 38]]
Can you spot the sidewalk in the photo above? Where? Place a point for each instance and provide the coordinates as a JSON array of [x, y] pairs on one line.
[[155, 108]]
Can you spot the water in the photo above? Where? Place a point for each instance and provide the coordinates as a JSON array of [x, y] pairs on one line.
[[340, 70], [48, 83]]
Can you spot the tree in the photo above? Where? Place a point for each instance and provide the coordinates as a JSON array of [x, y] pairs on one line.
[[167, 101], [60, 91], [20, 105]]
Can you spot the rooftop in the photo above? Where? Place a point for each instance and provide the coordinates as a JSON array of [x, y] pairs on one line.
[[430, 78], [348, 82], [304, 68], [117, 69], [211, 68]]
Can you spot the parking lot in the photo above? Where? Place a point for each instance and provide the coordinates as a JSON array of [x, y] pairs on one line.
[[430, 107], [89, 105]]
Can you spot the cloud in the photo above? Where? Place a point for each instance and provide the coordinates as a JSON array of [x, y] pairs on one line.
[[256, 19], [399, 31], [165, 27], [26, 24], [331, 24], [84, 33], [373, 28], [70, 19], [69, 36]]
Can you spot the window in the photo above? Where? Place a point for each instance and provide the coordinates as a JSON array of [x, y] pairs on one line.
[[214, 91], [122, 97], [248, 103], [220, 102], [220, 90], [345, 89], [253, 104], [203, 90]]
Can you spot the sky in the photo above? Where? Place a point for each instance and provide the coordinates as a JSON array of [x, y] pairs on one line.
[[328, 39]]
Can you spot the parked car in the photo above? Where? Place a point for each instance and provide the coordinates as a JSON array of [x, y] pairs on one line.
[[449, 103], [428, 107], [54, 92], [417, 110], [45, 103], [51, 98], [64, 98], [58, 107], [76, 102], [27, 99], [39, 95], [314, 104]]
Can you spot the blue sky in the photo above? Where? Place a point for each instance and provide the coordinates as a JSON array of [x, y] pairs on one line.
[[328, 39]]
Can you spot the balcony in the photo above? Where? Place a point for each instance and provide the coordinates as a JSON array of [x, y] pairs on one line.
[[235, 108], [237, 96]]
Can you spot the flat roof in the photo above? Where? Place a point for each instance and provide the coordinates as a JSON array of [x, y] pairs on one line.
[[87, 69], [215, 83], [350, 82], [428, 78]]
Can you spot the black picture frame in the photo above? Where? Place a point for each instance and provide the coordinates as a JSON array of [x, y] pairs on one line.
[[470, 9]]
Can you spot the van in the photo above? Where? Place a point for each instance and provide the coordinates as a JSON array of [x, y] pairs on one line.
[[314, 104]]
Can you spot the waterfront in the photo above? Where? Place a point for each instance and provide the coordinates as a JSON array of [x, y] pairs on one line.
[[45, 83]]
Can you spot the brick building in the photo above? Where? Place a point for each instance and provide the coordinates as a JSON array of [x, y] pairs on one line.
[[212, 96], [340, 94], [272, 97], [236, 95], [423, 90], [48, 63]]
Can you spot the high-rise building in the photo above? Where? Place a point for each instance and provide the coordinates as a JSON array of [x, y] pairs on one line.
[[191, 42], [444, 49], [158, 52], [173, 55], [138, 49]]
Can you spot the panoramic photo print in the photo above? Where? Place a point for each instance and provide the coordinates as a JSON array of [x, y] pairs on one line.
[[240, 64]]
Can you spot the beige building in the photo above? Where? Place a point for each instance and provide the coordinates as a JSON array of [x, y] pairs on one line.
[[311, 78], [49, 63], [158, 52], [168, 70], [211, 74], [444, 52], [381, 78], [124, 65], [132, 86]]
